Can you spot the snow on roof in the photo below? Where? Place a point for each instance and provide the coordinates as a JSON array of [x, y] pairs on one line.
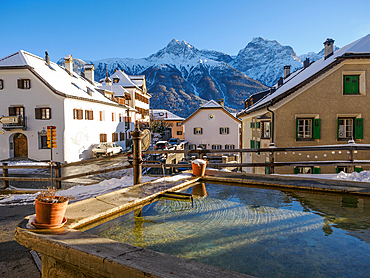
[[123, 79], [211, 104], [360, 46], [57, 77], [166, 115], [117, 89]]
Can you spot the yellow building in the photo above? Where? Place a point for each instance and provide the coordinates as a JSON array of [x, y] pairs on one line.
[[324, 103]]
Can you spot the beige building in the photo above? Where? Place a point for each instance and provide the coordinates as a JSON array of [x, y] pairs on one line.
[[324, 103]]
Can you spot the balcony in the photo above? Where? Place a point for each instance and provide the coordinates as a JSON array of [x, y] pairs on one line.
[[14, 122]]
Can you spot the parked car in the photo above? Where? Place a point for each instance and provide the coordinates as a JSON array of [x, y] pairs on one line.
[[174, 141], [105, 149], [163, 145]]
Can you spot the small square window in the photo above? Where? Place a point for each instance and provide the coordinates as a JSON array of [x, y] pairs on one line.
[[179, 132], [198, 130], [24, 83], [224, 130], [1, 84]]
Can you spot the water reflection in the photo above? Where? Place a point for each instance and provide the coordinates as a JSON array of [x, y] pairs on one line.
[[257, 231]]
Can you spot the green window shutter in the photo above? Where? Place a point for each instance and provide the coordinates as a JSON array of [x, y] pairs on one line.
[[337, 128], [359, 128], [253, 144], [316, 128], [358, 169], [316, 170], [336, 170], [295, 170], [258, 145], [296, 129], [351, 84], [267, 170], [258, 124]]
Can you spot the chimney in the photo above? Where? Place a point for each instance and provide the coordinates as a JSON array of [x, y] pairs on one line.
[[280, 82], [329, 46], [47, 57], [221, 102], [306, 63], [89, 72], [68, 64], [286, 71], [108, 81]]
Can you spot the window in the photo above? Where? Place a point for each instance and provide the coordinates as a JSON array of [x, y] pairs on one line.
[[78, 114], [198, 130], [43, 113], [115, 79], [202, 146], [253, 144], [114, 137], [265, 130], [16, 111], [24, 83], [113, 117], [350, 128], [307, 129], [216, 147], [229, 146], [192, 147], [122, 136], [351, 84], [43, 142], [89, 115], [224, 130], [178, 123], [103, 138], [253, 125], [179, 132], [101, 116], [1, 84]]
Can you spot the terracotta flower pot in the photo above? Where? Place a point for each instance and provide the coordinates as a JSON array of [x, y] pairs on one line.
[[198, 169], [50, 213]]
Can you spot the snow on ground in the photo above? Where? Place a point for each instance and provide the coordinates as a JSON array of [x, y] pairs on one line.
[[25, 163]]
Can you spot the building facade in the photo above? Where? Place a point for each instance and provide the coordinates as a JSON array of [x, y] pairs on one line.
[[174, 122], [324, 103], [36, 93], [212, 127]]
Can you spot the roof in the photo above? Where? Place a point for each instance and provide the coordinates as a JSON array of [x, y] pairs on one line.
[[212, 105], [165, 115], [123, 80], [55, 77], [302, 76]]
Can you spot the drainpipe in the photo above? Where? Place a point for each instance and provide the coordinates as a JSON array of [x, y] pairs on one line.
[[272, 123], [272, 144]]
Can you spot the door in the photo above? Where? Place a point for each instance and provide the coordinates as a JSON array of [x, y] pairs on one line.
[[20, 145]]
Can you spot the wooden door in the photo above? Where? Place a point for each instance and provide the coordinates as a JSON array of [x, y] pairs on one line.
[[20, 145]]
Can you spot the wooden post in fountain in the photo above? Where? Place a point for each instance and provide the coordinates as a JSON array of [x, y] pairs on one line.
[[137, 136]]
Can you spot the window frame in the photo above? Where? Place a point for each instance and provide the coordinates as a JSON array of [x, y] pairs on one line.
[[198, 130], [24, 83], [42, 113], [216, 147], [179, 132], [1, 84], [229, 147], [263, 130], [78, 114], [102, 137], [89, 115], [224, 130]]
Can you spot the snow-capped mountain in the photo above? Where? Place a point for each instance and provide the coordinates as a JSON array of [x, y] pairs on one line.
[[181, 77]]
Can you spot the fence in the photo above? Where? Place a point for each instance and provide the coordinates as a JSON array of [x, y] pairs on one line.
[[351, 150]]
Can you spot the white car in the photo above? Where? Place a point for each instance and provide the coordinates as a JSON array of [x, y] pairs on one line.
[[105, 149]]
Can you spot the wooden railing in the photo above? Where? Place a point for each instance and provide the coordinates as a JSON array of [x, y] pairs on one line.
[[351, 150]]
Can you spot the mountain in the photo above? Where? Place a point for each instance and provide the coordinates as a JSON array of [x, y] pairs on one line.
[[181, 77], [264, 60]]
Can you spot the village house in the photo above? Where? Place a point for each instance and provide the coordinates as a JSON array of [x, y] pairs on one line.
[[323, 103], [212, 127], [130, 90], [174, 122], [37, 93]]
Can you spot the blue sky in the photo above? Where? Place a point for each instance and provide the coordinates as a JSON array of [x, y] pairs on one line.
[[95, 30]]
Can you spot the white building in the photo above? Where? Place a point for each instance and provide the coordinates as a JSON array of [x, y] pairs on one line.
[[212, 127], [130, 90], [40, 93]]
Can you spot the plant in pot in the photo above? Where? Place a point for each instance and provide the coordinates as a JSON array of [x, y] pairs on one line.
[[50, 209]]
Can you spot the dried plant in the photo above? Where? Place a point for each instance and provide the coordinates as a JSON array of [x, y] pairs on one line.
[[48, 196]]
